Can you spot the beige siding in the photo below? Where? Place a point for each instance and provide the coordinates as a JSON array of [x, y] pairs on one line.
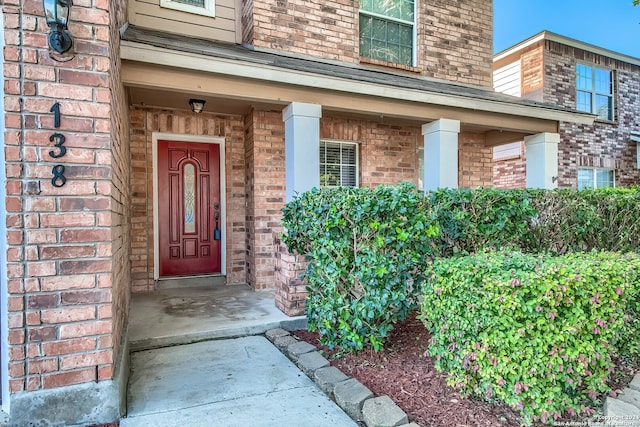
[[507, 79], [222, 27], [507, 151]]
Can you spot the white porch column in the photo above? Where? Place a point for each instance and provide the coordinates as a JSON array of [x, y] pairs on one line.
[[542, 160], [302, 147], [441, 154]]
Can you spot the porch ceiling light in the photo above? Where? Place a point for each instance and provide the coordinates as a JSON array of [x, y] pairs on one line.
[[197, 105], [56, 12]]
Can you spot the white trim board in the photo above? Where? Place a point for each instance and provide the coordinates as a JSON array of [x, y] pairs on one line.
[[223, 194]]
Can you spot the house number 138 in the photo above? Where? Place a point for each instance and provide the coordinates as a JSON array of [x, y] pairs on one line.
[[58, 179]]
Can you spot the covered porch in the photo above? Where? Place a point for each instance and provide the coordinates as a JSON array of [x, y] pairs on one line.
[[271, 115]]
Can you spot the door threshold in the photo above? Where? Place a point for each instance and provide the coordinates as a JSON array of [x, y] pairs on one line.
[[191, 282]]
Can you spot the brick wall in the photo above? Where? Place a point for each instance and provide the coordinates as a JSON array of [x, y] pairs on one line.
[[327, 30], [388, 153], [510, 173], [120, 162], [145, 121], [475, 161], [532, 73], [60, 258], [264, 192], [291, 289], [604, 144], [454, 39]]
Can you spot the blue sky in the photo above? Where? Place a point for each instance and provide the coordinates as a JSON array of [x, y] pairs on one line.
[[611, 24]]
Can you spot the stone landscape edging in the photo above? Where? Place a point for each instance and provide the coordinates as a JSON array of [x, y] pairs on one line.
[[348, 393]]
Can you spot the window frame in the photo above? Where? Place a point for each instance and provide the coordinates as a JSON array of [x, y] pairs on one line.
[[414, 33], [356, 145], [421, 168], [209, 8], [594, 93], [594, 178]]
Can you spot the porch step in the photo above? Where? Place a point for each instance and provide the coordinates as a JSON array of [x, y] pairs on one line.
[[191, 282], [176, 316]]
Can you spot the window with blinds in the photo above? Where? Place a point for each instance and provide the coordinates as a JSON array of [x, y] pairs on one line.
[[338, 164]]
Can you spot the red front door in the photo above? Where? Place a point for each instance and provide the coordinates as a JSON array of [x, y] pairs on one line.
[[189, 211]]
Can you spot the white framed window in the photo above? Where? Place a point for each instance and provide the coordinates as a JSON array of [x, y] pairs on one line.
[[595, 178], [199, 7], [388, 30], [339, 164], [594, 91]]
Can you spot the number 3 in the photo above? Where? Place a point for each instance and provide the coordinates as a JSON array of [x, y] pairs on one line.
[[59, 138]]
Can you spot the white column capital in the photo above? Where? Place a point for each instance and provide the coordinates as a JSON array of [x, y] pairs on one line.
[[302, 109], [542, 138], [441, 125]]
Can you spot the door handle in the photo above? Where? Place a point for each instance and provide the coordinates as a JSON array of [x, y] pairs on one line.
[[217, 233]]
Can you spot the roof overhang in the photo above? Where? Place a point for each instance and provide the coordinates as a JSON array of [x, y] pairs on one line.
[[567, 41], [263, 73]]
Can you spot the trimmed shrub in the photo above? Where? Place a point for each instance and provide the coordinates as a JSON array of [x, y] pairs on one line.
[[534, 331], [366, 248], [536, 221], [472, 220], [572, 221]]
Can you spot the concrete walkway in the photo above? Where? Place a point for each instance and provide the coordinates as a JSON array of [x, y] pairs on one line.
[[231, 382], [624, 410]]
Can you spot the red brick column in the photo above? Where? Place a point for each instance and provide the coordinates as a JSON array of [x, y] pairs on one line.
[[67, 260], [291, 290], [265, 189], [475, 162]]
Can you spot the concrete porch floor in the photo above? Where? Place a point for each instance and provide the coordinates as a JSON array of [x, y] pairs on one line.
[[177, 316]]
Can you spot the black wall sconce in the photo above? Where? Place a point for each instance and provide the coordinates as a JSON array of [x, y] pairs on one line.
[[56, 13], [197, 105]]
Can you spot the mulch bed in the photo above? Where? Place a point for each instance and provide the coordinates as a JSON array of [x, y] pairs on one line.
[[404, 373]]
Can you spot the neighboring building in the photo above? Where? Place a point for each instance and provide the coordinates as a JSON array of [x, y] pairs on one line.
[[568, 73], [299, 93]]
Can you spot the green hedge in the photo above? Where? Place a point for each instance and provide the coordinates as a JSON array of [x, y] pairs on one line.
[[472, 220], [366, 249], [559, 221], [534, 331], [606, 219]]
